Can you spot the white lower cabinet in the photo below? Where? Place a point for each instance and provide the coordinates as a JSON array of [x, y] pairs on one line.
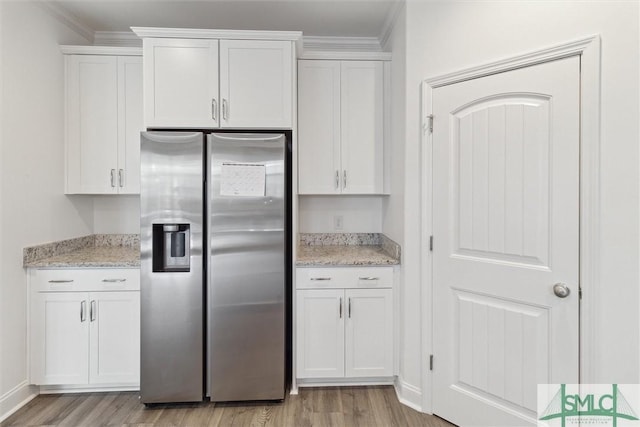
[[344, 330], [85, 327]]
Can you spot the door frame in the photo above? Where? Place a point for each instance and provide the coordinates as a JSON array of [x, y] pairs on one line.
[[588, 48]]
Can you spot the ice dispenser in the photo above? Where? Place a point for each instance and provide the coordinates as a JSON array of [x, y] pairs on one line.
[[171, 244]]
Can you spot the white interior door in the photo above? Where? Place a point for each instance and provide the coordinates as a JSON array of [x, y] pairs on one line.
[[505, 225]]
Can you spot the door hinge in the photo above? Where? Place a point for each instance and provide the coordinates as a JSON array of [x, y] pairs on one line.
[[431, 243], [431, 362], [579, 293], [430, 121]]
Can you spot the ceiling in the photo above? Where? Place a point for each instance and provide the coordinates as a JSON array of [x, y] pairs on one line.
[[342, 18]]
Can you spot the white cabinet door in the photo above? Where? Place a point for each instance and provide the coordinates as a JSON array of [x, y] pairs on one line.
[[92, 123], [130, 123], [256, 83], [369, 333], [180, 83], [59, 342], [320, 333], [115, 337], [361, 93], [319, 170]]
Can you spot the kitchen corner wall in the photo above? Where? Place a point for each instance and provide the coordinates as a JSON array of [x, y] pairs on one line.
[[33, 208], [360, 214], [116, 214]]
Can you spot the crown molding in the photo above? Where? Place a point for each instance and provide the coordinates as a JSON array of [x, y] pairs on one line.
[[390, 22], [116, 38], [346, 55], [66, 18], [336, 44], [101, 50], [191, 33]]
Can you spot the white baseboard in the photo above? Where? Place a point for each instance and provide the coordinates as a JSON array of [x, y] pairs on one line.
[[409, 395], [16, 398]]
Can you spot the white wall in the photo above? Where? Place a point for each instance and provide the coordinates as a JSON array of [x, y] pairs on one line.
[[401, 210], [33, 209], [116, 214], [445, 36], [360, 214]]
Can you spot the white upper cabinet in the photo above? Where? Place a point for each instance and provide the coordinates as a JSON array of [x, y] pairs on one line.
[[341, 127], [256, 83], [180, 83], [361, 127], [204, 83], [319, 127], [103, 122]]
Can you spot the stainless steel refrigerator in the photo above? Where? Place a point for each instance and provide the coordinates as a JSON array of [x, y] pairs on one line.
[[213, 279]]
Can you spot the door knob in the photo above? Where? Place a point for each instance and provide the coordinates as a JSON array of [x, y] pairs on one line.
[[561, 290]]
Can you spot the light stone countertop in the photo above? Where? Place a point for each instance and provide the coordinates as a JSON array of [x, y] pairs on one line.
[[92, 257], [344, 255], [94, 251]]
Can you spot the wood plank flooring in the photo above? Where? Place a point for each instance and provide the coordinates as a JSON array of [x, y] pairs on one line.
[[339, 406]]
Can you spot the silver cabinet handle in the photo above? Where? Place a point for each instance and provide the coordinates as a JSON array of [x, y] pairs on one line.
[[92, 311], [113, 178], [344, 178], [321, 278], [337, 179], [114, 280], [121, 177], [368, 278], [214, 109], [340, 308], [60, 281], [225, 109], [83, 311], [349, 308]]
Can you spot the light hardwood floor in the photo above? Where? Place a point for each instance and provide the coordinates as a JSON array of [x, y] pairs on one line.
[[344, 406]]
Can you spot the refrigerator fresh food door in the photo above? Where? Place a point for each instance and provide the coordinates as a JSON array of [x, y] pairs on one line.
[[171, 269], [246, 274]]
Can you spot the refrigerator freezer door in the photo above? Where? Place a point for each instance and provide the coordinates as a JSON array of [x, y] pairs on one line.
[[246, 283], [172, 291]]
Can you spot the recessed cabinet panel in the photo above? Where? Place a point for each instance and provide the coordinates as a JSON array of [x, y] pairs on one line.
[[115, 337], [369, 333], [129, 123], [362, 127], [92, 123], [319, 127], [320, 337], [60, 324], [256, 83], [181, 83]]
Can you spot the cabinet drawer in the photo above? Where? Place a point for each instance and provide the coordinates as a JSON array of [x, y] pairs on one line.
[[74, 280], [344, 277]]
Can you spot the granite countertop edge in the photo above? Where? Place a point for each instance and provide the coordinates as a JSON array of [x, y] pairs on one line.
[[92, 251], [347, 249]]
